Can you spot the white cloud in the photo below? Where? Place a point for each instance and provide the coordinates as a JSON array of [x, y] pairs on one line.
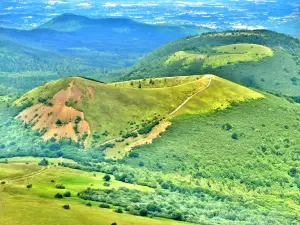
[[188, 4], [9, 8], [53, 2], [84, 4], [246, 27], [108, 4]]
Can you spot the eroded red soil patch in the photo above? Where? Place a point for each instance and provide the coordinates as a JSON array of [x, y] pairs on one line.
[[57, 119], [90, 92]]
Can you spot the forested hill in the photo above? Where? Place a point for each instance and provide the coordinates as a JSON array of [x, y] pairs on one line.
[[278, 72], [17, 58], [23, 68], [104, 42]]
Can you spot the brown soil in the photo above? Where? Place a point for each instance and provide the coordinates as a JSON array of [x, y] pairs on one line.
[[154, 133], [90, 92], [47, 117]]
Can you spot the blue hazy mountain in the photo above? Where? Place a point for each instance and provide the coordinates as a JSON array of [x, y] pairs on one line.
[[109, 42]]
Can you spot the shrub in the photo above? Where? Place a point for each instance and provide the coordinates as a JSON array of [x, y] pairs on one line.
[[52, 181], [133, 135], [118, 210], [58, 195], [133, 155], [44, 162], [77, 120], [227, 126], [88, 204], [147, 129], [59, 122], [293, 172], [177, 216], [3, 182], [114, 223], [106, 184], [67, 194], [66, 207], [29, 186], [104, 205], [235, 136], [106, 177], [143, 212], [59, 186]]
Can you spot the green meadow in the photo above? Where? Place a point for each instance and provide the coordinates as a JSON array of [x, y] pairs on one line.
[[37, 205]]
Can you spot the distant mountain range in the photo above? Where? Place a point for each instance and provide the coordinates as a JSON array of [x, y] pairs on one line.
[[103, 42], [77, 45]]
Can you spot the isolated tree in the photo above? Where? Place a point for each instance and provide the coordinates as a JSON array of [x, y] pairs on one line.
[[106, 178], [67, 194], [58, 195], [59, 186], [66, 207], [44, 162], [118, 210], [143, 212]]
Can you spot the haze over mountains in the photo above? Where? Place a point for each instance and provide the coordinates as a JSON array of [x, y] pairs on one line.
[[71, 44], [278, 15]]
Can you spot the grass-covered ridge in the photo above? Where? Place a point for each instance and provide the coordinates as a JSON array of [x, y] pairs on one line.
[[222, 55], [262, 59], [119, 111]]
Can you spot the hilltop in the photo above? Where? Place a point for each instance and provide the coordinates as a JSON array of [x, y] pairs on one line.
[[94, 113], [262, 59]]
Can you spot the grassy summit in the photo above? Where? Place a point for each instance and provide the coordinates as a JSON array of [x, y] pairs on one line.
[[222, 56], [94, 113], [262, 59]]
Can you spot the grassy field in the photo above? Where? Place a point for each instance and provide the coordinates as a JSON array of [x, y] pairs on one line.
[[30, 203], [237, 53], [221, 56]]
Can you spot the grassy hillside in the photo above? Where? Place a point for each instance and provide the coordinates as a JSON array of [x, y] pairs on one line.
[[210, 166], [30, 202], [262, 59], [120, 111], [250, 149]]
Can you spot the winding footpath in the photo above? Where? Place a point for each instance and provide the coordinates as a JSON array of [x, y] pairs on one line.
[[178, 108], [189, 98]]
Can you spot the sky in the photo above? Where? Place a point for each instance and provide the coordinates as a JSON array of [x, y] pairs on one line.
[[215, 14]]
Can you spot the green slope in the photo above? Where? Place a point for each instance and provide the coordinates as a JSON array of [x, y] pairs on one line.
[[262, 59], [114, 110], [236, 165], [251, 149]]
